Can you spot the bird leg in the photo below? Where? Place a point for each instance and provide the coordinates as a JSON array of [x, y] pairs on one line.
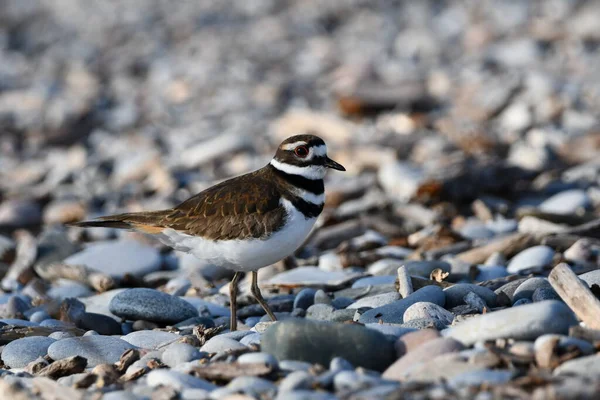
[[254, 289], [233, 301]]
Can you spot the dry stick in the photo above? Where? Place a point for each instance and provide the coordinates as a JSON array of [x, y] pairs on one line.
[[576, 294], [80, 273], [21, 269], [508, 246]]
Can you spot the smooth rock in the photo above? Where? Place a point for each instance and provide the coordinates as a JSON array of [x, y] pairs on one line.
[[304, 298], [217, 344], [489, 272], [375, 301], [176, 380], [412, 340], [20, 352], [195, 321], [526, 322], [423, 309], [591, 278], [65, 288], [353, 381], [252, 386], [567, 202], [39, 316], [541, 294], [342, 302], [481, 377], [179, 353], [320, 342], [526, 289], [150, 339], [425, 323], [18, 322], [533, 257], [400, 369], [213, 309], [258, 358], [118, 258], [252, 339], [394, 312], [96, 349], [425, 268], [297, 380], [305, 395], [392, 330], [102, 324], [151, 305], [320, 312], [588, 366], [374, 280], [455, 295]]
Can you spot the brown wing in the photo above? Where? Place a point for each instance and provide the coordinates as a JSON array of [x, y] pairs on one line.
[[242, 207]]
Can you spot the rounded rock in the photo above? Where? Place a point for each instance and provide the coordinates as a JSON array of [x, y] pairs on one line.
[[150, 339], [151, 305], [424, 309], [179, 353], [304, 298], [258, 358], [533, 257], [20, 352], [455, 294], [96, 349]]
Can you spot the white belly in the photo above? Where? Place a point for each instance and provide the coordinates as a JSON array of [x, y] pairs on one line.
[[246, 255]]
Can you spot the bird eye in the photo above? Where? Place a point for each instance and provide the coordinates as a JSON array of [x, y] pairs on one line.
[[301, 151]]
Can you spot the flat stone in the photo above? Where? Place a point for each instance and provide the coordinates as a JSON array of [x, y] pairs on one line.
[[150, 339], [375, 301], [481, 377], [64, 288], [392, 330], [118, 258], [20, 352], [455, 294], [412, 340], [214, 310], [374, 281], [177, 380], [533, 257], [489, 272], [425, 323], [179, 353], [312, 276], [400, 369], [320, 342], [320, 312], [353, 381], [305, 395], [251, 339], [428, 310], [17, 322], [151, 305], [96, 349], [394, 312], [99, 303], [424, 269], [258, 358], [295, 381], [217, 344], [591, 278], [253, 386], [195, 321], [525, 322], [566, 202]]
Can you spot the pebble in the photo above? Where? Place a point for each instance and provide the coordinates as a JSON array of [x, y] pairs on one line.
[[218, 343], [341, 302], [320, 312], [374, 280], [151, 305], [320, 342], [425, 323], [533, 257], [353, 381], [455, 294], [340, 364], [96, 349], [489, 272], [102, 324], [591, 278], [394, 312], [305, 395], [118, 258], [527, 288], [321, 297], [179, 353], [39, 316], [177, 380], [252, 339], [195, 321], [567, 202], [150, 339], [66, 288], [588, 366], [423, 310], [425, 268], [20, 352], [252, 386], [304, 298], [294, 365], [411, 340], [18, 322], [481, 377], [258, 358], [214, 310], [297, 380], [526, 322], [427, 351], [375, 301]]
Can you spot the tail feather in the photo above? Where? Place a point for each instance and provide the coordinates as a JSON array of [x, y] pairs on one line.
[[149, 222]]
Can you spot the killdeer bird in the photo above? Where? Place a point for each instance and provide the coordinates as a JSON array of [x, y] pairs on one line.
[[247, 222]]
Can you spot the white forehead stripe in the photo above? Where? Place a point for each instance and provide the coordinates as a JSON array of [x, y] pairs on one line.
[[292, 146], [319, 151], [313, 172]]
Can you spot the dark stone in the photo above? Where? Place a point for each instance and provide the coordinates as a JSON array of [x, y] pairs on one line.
[[103, 324], [151, 305]]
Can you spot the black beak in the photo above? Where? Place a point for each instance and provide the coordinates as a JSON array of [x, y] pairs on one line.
[[329, 163]]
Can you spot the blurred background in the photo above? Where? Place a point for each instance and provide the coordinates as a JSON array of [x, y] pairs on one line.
[[129, 105]]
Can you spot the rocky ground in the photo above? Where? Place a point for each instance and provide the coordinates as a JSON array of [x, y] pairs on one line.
[[446, 262]]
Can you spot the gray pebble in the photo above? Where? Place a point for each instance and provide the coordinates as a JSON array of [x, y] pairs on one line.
[[321, 312], [151, 305], [252, 339], [20, 352], [305, 395], [340, 364], [321, 297], [588, 366], [304, 298], [521, 302], [320, 342], [96, 349], [341, 302], [423, 310], [566, 202], [455, 294], [487, 273], [294, 365], [39, 316], [394, 312], [101, 323], [176, 380], [297, 380], [425, 268], [481, 377], [541, 294], [258, 358], [61, 335], [18, 322], [217, 344], [179, 353], [424, 323], [533, 257], [374, 280], [54, 323], [253, 386], [526, 289], [150, 339], [352, 381], [375, 301], [520, 323], [195, 321], [343, 315]]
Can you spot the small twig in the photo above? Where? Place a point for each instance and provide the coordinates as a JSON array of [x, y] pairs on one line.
[[80, 273]]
